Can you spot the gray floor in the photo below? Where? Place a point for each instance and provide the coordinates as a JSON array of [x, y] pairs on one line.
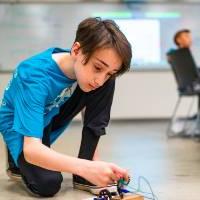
[[171, 166]]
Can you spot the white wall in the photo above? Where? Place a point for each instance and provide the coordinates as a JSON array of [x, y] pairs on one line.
[[147, 95], [140, 95]]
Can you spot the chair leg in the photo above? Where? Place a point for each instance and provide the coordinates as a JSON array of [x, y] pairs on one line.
[[196, 131], [173, 117], [185, 126]]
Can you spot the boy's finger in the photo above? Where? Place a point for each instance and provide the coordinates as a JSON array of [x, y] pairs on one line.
[[123, 173]]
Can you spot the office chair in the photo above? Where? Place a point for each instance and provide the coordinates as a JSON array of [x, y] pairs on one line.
[[188, 82]]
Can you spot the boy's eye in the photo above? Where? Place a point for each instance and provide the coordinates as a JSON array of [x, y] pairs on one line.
[[97, 68]]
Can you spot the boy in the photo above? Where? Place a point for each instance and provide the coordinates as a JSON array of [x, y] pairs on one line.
[[39, 103]]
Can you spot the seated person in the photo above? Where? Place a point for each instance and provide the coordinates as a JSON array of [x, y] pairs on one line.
[[182, 39]]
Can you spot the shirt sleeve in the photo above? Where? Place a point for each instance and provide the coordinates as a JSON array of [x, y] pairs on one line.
[[29, 104]]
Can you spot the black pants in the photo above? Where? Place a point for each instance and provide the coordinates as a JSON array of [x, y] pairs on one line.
[[97, 115]]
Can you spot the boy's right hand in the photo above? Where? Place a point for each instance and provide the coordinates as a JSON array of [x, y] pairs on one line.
[[102, 173]]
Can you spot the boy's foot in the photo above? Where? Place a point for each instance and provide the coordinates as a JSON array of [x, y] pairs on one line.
[[14, 174], [81, 184], [12, 170]]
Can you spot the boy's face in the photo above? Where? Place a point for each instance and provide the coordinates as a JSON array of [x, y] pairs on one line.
[[185, 40], [101, 66]]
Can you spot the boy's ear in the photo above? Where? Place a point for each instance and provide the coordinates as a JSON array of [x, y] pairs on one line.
[[75, 48]]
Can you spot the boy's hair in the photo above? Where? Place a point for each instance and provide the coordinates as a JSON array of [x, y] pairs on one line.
[[178, 34], [95, 33]]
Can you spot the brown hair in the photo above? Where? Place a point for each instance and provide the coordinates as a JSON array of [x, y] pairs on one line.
[[178, 34], [95, 33]]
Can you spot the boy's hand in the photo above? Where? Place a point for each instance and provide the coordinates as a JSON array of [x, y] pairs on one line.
[[102, 173]]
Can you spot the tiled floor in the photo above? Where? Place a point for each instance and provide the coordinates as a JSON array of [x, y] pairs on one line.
[[171, 166]]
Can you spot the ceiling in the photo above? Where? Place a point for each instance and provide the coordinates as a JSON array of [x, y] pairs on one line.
[[101, 1]]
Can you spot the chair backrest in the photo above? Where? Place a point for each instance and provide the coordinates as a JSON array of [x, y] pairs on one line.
[[184, 67]]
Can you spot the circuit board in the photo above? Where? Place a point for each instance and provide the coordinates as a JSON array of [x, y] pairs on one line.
[[126, 197]]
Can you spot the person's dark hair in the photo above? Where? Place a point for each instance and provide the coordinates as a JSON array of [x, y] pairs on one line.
[[178, 34], [96, 33]]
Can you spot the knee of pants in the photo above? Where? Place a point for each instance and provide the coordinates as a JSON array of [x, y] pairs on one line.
[[48, 186]]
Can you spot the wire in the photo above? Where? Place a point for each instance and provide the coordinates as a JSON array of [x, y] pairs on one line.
[[140, 191]]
